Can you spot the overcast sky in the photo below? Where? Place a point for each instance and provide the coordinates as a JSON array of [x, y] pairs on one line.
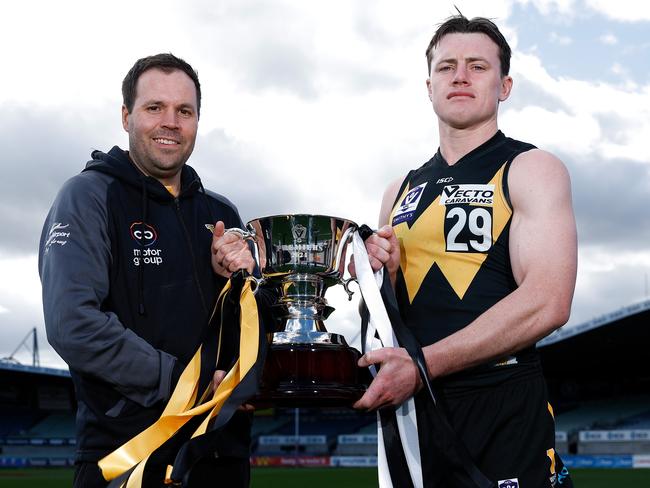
[[315, 107]]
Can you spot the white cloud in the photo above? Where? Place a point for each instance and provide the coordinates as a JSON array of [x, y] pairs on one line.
[[20, 291], [608, 39], [553, 130], [604, 277], [3, 309], [625, 10], [598, 259], [560, 39], [577, 127], [20, 284], [618, 69], [547, 7], [62, 59]]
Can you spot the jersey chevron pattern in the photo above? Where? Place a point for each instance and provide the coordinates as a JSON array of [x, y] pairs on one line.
[[453, 225]]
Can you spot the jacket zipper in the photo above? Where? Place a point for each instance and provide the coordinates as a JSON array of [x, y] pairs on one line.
[[188, 241]]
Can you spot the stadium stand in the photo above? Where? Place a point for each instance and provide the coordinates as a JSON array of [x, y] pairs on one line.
[[356, 445], [597, 372], [610, 413], [371, 428], [637, 422], [614, 442], [53, 426], [599, 378], [318, 430], [16, 421], [36, 416], [268, 425]]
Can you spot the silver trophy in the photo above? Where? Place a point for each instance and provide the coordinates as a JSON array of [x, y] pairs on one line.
[[302, 255]]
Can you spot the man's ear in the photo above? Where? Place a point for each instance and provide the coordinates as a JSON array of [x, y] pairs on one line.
[[125, 118], [506, 88]]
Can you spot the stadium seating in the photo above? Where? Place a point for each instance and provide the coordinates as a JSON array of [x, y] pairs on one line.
[[614, 442], [15, 421], [319, 430], [606, 413], [640, 422], [33, 437], [56, 425]]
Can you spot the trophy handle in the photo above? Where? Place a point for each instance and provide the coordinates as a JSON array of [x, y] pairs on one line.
[[346, 286], [250, 236], [346, 239]]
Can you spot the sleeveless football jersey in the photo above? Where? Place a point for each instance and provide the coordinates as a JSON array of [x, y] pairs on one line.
[[453, 224]]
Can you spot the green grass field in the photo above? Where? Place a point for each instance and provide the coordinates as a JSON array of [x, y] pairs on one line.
[[323, 478]]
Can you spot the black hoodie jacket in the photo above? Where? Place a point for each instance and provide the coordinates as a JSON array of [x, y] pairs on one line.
[[126, 303]]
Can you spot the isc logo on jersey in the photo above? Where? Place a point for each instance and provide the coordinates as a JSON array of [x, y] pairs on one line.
[[409, 203], [467, 195]]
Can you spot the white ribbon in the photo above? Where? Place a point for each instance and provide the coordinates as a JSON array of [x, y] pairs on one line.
[[378, 322]]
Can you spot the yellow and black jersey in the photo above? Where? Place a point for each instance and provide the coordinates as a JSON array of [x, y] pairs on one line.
[[453, 223]]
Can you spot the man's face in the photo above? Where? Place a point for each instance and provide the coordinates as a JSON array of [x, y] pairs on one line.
[[465, 83], [163, 123]]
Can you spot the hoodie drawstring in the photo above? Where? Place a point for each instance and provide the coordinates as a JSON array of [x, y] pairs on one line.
[[141, 308], [206, 200]]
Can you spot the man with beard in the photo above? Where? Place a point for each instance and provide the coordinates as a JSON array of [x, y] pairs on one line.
[[130, 276]]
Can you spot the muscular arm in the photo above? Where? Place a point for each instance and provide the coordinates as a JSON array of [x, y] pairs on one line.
[[543, 254]]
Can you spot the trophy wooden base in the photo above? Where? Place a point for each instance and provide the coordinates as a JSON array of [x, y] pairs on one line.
[[311, 375]]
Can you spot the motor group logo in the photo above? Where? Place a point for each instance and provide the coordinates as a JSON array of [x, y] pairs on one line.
[[143, 234], [408, 205], [146, 236]]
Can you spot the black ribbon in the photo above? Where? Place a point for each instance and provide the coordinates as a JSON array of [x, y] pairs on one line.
[[195, 449], [436, 427], [181, 450]]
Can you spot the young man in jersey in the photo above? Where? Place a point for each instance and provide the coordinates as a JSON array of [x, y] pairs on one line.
[[480, 245]]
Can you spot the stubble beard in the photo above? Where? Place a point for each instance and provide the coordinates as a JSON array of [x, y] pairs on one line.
[[161, 168]]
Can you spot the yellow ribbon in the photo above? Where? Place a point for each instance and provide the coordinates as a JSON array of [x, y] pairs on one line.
[[178, 410]]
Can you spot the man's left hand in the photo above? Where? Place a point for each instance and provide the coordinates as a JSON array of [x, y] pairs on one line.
[[397, 380]]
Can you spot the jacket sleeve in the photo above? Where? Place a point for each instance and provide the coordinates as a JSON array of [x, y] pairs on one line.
[[74, 264]]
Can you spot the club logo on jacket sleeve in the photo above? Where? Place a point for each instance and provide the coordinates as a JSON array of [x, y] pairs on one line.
[[58, 234]]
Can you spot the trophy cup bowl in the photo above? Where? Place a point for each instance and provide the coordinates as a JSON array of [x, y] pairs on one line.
[[302, 255]]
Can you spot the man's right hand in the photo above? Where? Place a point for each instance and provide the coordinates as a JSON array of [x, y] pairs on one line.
[[217, 378], [230, 252], [383, 250]]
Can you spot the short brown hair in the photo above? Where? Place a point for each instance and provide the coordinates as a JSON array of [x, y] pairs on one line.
[[459, 24], [166, 62]]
